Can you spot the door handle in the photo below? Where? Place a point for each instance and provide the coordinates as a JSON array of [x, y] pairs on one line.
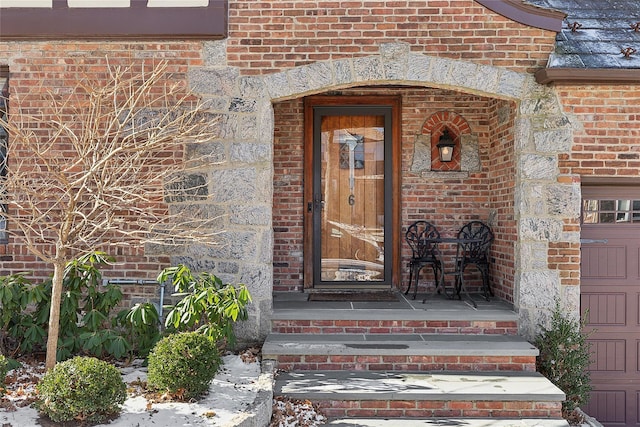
[[603, 241], [316, 204]]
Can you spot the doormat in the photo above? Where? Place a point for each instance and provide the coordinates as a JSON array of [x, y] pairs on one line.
[[353, 296]]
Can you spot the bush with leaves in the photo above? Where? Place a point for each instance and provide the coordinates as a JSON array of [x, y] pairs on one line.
[[207, 305], [141, 326], [565, 356], [21, 330], [81, 389], [4, 369], [183, 364], [85, 323]]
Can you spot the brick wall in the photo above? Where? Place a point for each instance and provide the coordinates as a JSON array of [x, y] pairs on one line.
[[605, 146], [265, 36], [42, 69], [447, 202], [288, 204], [502, 173], [271, 36], [606, 141]]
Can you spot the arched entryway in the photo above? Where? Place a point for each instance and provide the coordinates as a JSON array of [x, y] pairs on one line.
[[507, 175], [517, 129]]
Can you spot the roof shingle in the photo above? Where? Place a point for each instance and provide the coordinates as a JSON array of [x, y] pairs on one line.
[[603, 30]]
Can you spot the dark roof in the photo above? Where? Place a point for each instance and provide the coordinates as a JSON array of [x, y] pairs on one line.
[[595, 33]]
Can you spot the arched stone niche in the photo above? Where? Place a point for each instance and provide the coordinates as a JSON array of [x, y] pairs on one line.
[[467, 158]]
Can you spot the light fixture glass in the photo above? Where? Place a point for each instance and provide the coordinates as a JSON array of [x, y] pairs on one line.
[[445, 146]]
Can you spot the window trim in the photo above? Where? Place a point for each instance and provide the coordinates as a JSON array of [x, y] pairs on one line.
[[137, 21]]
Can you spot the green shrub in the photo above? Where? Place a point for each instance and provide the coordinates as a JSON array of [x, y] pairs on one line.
[[207, 305], [564, 358], [4, 369], [83, 389], [85, 325], [141, 326], [183, 364]]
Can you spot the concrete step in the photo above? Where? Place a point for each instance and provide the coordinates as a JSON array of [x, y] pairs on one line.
[[382, 394], [401, 352], [294, 314]]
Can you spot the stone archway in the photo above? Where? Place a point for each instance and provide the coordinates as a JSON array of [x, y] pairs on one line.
[[546, 204]]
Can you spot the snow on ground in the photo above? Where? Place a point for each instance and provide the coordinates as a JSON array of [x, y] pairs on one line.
[[231, 393]]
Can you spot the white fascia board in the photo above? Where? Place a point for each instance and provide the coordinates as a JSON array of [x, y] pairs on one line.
[[178, 3], [26, 3]]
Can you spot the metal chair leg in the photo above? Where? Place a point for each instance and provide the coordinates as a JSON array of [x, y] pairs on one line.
[[461, 287], [486, 288], [417, 279], [410, 278]]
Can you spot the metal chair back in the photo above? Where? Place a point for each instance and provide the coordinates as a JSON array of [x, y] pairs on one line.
[[480, 237], [420, 237]]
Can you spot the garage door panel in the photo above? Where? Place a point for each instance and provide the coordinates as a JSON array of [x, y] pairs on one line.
[[610, 290], [604, 308], [610, 405], [604, 262], [608, 355]]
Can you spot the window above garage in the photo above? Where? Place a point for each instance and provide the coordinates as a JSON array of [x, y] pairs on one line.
[[610, 211], [108, 19]]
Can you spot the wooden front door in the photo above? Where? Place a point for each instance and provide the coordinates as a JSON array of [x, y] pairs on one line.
[[610, 291], [351, 192]]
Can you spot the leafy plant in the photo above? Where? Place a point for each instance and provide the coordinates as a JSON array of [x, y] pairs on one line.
[[4, 369], [85, 309], [82, 389], [20, 330], [141, 324], [183, 364], [207, 306], [85, 325], [565, 356]]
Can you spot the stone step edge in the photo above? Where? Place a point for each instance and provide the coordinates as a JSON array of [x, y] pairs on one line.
[[395, 315], [277, 344], [418, 386], [443, 422]]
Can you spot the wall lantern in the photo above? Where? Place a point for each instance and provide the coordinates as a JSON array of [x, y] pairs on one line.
[[445, 146]]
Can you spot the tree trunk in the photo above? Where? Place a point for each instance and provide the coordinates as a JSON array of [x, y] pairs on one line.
[[54, 315]]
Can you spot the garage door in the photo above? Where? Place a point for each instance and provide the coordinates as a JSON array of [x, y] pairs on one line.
[[610, 290]]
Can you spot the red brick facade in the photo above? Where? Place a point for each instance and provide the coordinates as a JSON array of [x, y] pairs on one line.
[[265, 38], [42, 69], [270, 36]]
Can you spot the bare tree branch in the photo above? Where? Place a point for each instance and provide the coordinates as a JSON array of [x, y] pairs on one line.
[[100, 166]]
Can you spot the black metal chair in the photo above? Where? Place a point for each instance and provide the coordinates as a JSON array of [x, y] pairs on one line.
[[473, 249], [420, 237]]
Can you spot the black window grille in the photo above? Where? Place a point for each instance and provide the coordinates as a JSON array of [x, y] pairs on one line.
[[610, 211]]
